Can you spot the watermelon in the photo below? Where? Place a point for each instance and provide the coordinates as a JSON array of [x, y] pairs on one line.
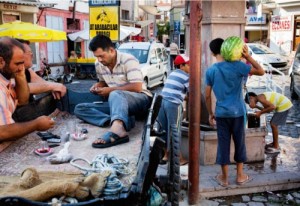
[[232, 48]]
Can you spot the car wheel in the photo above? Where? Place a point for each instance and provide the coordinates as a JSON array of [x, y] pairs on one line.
[[294, 95], [146, 82], [164, 78]]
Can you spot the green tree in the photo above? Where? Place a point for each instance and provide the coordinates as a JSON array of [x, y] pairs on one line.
[[163, 29]]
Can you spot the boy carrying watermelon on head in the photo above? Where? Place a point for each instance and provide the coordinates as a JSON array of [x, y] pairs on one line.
[[225, 79]]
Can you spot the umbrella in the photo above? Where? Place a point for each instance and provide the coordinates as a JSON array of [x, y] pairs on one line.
[[84, 35], [31, 32]]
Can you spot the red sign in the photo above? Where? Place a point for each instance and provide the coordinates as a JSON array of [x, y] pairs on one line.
[[281, 23]]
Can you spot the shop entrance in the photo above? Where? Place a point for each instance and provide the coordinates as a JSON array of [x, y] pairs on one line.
[[296, 32]]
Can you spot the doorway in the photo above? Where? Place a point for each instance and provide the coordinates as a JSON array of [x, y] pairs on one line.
[[296, 32]]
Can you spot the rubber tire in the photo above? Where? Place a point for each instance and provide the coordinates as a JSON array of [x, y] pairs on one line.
[[294, 95], [174, 180]]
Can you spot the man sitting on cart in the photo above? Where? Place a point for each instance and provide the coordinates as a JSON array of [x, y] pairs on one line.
[[122, 92]]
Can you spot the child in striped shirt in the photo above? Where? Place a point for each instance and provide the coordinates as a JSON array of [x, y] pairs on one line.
[[174, 93], [271, 101]]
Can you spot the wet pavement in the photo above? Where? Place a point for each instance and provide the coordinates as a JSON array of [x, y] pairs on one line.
[[278, 172]]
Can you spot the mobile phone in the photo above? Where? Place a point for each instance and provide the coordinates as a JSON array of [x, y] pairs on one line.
[[53, 140], [47, 135]]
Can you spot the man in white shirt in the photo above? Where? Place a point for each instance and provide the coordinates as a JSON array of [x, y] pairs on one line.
[[174, 51]]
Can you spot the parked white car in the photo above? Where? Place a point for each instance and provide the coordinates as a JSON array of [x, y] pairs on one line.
[[153, 60], [265, 56]]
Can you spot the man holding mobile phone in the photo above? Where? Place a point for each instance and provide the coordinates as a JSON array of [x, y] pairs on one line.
[[122, 90]]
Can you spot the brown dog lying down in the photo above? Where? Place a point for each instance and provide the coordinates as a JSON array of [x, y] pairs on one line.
[[31, 187]]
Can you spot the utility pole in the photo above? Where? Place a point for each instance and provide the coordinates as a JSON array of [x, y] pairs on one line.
[[194, 100]]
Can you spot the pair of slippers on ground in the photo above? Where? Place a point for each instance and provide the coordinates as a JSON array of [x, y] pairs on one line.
[[225, 184], [110, 139]]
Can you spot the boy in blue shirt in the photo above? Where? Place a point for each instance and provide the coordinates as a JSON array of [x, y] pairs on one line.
[[225, 79], [173, 93]]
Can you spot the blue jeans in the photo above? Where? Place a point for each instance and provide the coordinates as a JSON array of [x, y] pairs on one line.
[[227, 127], [169, 113], [121, 105]]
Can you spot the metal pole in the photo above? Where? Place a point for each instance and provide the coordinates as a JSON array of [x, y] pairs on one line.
[[194, 100]]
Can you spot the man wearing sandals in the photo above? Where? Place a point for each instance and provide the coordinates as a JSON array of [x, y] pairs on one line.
[[271, 101], [14, 91], [122, 92]]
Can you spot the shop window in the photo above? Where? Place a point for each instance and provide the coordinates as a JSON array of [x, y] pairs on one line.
[[10, 17], [73, 24], [125, 14]]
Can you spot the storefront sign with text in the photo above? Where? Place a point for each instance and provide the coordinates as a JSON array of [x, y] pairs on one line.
[[281, 23], [105, 20]]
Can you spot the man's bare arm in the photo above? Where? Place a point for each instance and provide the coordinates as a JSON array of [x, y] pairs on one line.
[[18, 130], [256, 69], [39, 85], [21, 88], [208, 91], [268, 106], [34, 77]]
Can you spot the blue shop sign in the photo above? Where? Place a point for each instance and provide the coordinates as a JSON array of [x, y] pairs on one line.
[[177, 27], [254, 19], [104, 2]]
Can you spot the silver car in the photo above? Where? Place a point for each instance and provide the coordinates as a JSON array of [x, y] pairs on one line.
[[266, 57], [295, 75], [153, 60]]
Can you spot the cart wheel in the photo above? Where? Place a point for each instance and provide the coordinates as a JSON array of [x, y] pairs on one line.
[[174, 167], [80, 75]]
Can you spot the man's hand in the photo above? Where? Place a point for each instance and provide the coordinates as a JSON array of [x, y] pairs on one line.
[[245, 52], [212, 120], [97, 86], [103, 91], [44, 123], [58, 91], [258, 113]]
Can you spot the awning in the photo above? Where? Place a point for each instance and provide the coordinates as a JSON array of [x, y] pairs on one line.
[[151, 10], [256, 28], [29, 3], [144, 23]]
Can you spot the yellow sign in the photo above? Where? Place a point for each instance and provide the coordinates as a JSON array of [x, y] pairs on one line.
[[105, 20]]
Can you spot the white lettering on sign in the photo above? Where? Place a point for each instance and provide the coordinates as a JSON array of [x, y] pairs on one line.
[[279, 23], [103, 2], [10, 6], [254, 19]]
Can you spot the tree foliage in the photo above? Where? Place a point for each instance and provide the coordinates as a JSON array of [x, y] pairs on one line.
[[163, 29]]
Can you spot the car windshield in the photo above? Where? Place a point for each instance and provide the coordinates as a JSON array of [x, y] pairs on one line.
[[257, 49], [140, 54]]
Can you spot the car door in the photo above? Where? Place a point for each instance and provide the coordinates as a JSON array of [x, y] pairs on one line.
[[153, 66]]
